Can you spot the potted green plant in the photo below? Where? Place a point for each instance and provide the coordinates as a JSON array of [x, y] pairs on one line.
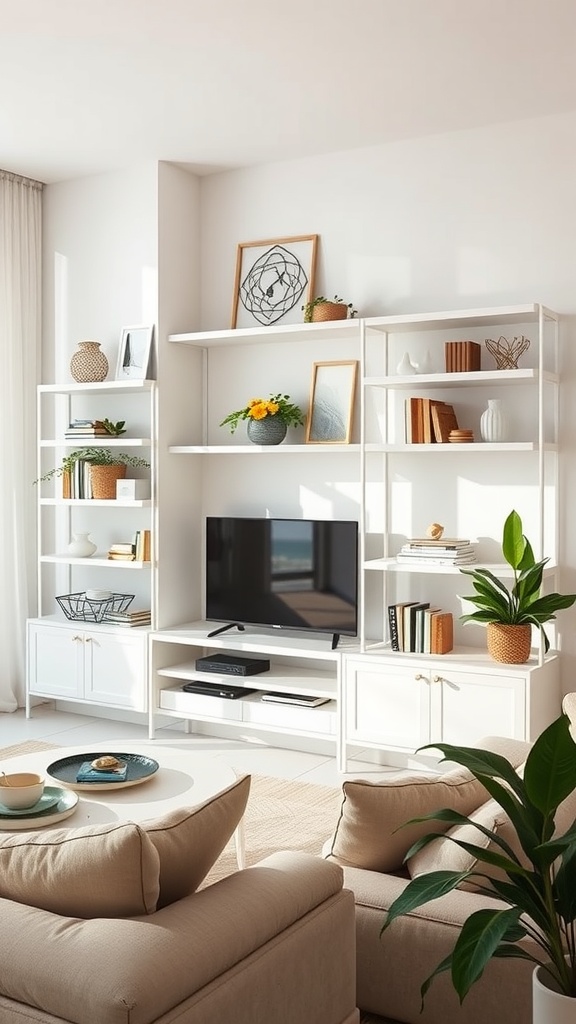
[[321, 308], [536, 886], [509, 614], [268, 418], [106, 466]]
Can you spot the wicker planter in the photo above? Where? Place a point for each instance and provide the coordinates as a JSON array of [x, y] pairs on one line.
[[509, 644], [329, 311], [103, 480]]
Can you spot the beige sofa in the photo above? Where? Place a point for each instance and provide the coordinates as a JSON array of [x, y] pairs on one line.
[[391, 967], [106, 925]]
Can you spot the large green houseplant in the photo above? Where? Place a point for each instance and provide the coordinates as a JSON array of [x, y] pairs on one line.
[[520, 606], [539, 893]]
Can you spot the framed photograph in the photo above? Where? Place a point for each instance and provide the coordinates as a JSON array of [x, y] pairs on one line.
[[134, 353], [274, 278], [331, 402]]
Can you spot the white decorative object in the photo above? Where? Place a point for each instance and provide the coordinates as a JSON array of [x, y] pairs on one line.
[[549, 1006], [425, 364], [493, 422], [405, 366], [133, 489], [81, 546]]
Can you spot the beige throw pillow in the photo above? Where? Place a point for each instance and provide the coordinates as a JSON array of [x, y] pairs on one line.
[[95, 871], [370, 814], [190, 839]]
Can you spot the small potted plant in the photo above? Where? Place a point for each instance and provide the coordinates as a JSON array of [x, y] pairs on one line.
[[268, 418], [106, 467], [321, 308], [535, 879], [509, 614]]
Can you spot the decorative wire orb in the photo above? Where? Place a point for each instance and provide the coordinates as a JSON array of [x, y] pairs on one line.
[[507, 353]]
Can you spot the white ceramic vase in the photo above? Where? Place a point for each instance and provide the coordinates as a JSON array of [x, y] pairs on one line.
[[548, 1005], [81, 546], [405, 366], [493, 422]]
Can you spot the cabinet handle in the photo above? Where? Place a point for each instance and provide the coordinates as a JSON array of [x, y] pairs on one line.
[[76, 638], [88, 639], [419, 676], [437, 679]]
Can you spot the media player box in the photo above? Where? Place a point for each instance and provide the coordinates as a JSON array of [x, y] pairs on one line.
[[232, 665]]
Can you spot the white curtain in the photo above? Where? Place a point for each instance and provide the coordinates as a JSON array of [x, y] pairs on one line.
[[20, 293]]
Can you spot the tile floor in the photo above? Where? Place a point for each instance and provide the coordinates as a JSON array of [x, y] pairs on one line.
[[71, 729]]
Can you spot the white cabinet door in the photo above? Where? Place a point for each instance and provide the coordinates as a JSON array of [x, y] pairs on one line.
[[55, 661], [467, 706], [386, 704], [115, 669]]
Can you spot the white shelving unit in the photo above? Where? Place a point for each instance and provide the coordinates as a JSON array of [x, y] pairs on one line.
[[87, 662]]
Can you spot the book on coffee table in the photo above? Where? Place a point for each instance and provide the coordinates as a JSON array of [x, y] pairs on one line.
[[86, 773]]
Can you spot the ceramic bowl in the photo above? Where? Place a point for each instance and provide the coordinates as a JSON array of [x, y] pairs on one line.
[[20, 789]]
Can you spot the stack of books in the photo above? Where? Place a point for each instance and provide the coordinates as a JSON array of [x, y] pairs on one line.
[[447, 551], [78, 482], [462, 356], [138, 617], [428, 421], [417, 628], [122, 552], [85, 429], [142, 545]]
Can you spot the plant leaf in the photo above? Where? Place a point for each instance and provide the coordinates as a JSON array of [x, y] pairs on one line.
[[422, 890], [513, 540], [550, 770], [480, 936]]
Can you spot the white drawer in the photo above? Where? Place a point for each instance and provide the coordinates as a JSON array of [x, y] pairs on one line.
[[200, 704], [287, 716]]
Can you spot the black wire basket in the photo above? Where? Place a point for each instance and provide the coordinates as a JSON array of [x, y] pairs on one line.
[[85, 609]]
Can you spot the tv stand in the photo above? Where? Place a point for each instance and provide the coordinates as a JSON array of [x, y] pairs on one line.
[[335, 639], [224, 629]]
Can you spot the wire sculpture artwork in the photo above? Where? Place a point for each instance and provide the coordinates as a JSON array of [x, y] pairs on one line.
[[272, 278], [507, 353]]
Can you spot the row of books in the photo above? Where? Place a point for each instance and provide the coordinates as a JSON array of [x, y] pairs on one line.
[[138, 617], [137, 550], [424, 551], [77, 483], [462, 356], [418, 628], [429, 421]]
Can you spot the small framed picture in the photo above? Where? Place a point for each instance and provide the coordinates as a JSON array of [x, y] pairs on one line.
[[274, 279], [134, 353], [331, 402]]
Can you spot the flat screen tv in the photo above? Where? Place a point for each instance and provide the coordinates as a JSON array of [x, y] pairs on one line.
[[293, 573]]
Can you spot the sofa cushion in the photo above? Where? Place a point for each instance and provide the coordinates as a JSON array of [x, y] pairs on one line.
[[445, 855], [107, 870], [190, 839], [369, 832]]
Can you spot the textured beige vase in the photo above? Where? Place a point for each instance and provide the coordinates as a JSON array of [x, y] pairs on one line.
[[103, 480], [88, 365], [509, 644]]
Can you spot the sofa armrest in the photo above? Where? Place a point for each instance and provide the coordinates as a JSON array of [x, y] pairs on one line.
[[120, 970]]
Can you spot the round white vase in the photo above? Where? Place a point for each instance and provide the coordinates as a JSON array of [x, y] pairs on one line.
[[81, 546], [549, 1006], [493, 422]]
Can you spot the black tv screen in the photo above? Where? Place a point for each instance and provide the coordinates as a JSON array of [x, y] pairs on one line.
[[292, 573]]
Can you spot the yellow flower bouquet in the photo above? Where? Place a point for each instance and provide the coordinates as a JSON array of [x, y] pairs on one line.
[[278, 406]]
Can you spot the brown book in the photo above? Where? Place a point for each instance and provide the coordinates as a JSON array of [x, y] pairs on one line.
[[428, 430], [441, 633], [444, 420], [472, 355], [66, 484], [449, 356]]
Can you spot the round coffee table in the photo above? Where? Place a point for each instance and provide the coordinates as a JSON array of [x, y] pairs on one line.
[[184, 779]]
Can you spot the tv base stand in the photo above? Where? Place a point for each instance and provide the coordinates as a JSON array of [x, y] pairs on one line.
[[224, 629]]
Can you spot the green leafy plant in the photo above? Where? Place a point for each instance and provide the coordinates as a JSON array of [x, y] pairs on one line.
[[308, 307], [97, 457], [115, 429], [539, 894], [522, 604], [278, 406]]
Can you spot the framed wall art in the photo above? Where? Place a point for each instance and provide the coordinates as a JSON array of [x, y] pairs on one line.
[[331, 402], [274, 278], [134, 353]]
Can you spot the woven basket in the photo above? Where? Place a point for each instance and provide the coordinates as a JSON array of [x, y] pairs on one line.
[[329, 311], [103, 480], [509, 644]]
